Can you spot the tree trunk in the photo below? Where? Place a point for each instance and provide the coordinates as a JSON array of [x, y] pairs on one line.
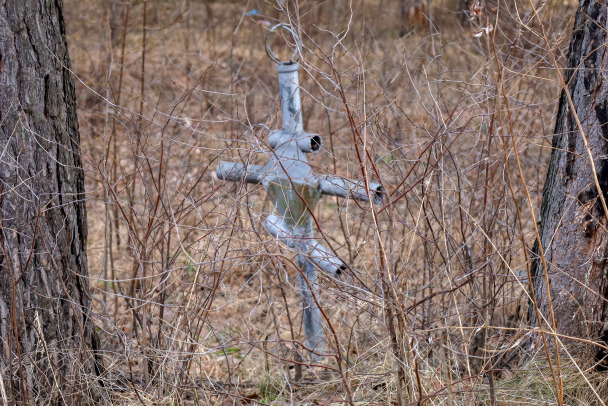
[[117, 12], [573, 221], [46, 332], [412, 15]]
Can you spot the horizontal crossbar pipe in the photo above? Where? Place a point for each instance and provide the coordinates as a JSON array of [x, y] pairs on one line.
[[237, 172], [338, 186], [324, 259], [308, 247]]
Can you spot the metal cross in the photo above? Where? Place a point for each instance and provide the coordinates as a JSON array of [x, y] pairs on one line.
[[295, 189]]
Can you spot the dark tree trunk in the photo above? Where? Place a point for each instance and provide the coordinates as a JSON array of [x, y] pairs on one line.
[[117, 9], [46, 331], [573, 221], [412, 15]]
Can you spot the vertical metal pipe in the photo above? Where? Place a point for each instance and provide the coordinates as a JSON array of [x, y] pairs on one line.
[[311, 315], [291, 110], [291, 107]]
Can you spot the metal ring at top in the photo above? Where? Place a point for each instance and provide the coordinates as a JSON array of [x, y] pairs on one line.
[[296, 53]]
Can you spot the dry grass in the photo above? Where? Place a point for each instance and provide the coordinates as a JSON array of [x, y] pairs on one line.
[[197, 304]]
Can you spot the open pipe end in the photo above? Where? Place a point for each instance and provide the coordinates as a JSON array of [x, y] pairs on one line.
[[310, 143], [378, 193], [340, 269]]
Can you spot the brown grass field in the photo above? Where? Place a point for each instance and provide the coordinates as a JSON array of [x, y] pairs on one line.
[[196, 303]]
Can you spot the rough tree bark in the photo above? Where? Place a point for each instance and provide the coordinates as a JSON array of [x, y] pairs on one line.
[[46, 332], [573, 222]]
